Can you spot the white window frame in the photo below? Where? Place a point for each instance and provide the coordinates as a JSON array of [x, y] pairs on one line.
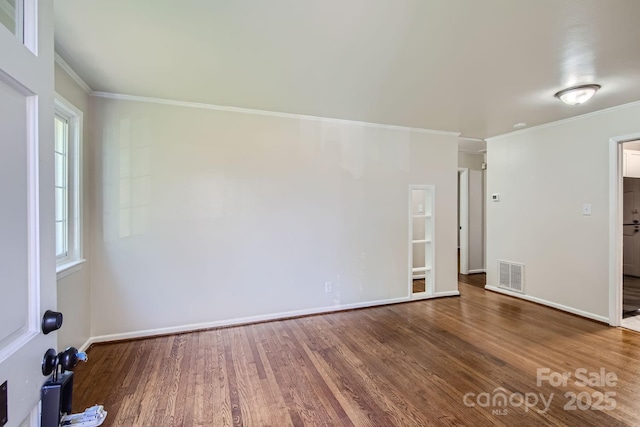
[[73, 260]]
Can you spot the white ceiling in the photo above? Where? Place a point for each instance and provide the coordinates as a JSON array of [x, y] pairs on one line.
[[472, 66]]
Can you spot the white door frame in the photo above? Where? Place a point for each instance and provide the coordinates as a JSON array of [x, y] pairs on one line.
[[615, 226], [463, 205]]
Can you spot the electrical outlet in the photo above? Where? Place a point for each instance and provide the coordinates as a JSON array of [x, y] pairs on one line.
[[327, 287]]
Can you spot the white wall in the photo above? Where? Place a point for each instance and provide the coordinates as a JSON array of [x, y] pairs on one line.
[[74, 290], [470, 160], [544, 175], [205, 216]]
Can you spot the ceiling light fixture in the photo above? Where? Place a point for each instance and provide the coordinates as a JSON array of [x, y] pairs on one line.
[[577, 94]]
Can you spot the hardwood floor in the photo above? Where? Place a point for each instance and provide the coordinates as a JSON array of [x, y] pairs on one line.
[[631, 296], [478, 279], [399, 365], [419, 285]]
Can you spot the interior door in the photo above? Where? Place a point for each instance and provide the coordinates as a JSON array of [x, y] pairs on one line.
[[631, 226], [27, 258]]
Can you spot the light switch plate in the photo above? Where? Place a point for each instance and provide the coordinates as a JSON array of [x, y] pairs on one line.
[[586, 209], [3, 404], [495, 197]]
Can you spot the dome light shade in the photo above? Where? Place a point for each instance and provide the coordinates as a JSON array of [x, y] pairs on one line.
[[577, 94]]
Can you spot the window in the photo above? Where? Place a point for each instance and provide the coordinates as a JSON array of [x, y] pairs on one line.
[[68, 224], [11, 16]]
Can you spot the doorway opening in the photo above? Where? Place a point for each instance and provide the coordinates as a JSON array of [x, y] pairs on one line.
[[624, 231], [471, 195], [631, 234]]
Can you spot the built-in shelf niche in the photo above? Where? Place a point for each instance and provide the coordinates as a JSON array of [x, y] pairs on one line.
[[421, 247]]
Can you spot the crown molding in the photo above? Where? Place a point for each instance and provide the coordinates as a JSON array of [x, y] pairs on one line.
[[187, 104], [563, 121], [76, 78]]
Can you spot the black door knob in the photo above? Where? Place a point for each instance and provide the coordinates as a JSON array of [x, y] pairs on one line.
[[51, 321], [49, 362]]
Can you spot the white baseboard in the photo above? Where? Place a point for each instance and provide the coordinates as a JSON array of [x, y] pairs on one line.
[[568, 309], [86, 345], [250, 319], [437, 295], [241, 320], [479, 270], [446, 294]]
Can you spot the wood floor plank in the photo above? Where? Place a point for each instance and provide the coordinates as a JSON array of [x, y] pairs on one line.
[[400, 365], [274, 398]]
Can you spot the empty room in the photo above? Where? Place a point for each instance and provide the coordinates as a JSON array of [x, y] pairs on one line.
[[337, 213]]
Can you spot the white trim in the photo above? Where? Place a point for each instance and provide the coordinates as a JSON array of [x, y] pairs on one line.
[[76, 78], [254, 319], [443, 294], [476, 271], [67, 269], [469, 151], [471, 139], [33, 419], [615, 227], [30, 10], [568, 309], [463, 203], [419, 276], [161, 101], [23, 338], [75, 119], [34, 416], [567, 120], [33, 209], [615, 234], [88, 343]]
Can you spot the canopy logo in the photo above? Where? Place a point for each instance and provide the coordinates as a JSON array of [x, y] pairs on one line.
[[500, 399]]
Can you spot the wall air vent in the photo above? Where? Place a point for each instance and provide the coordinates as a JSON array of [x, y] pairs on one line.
[[511, 276]]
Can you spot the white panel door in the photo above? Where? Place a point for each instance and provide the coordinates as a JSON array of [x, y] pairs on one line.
[[27, 258]]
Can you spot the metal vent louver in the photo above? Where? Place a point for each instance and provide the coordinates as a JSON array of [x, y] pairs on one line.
[[511, 276]]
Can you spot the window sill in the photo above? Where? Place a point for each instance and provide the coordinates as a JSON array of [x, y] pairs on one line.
[[64, 270]]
